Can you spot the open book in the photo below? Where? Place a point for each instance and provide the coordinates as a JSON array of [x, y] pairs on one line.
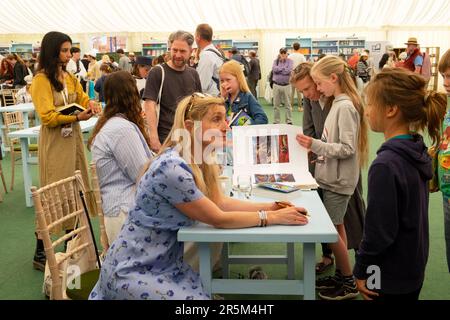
[[70, 109]]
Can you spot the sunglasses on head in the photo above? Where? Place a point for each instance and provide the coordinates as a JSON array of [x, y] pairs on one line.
[[191, 101]]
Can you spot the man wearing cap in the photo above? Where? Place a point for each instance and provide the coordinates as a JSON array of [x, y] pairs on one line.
[[414, 59], [210, 60], [282, 68]]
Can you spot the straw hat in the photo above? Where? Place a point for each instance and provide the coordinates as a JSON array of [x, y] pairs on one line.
[[412, 40]]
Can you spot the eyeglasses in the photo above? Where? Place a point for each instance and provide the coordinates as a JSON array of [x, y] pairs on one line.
[[191, 101]]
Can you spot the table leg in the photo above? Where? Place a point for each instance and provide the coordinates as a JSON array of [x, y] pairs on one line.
[[26, 172], [204, 252], [26, 123], [309, 271], [225, 263], [290, 261]]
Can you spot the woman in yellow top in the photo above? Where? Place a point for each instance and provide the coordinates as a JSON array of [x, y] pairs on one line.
[[61, 149]]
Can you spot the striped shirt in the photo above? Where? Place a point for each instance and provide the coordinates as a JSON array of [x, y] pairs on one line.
[[119, 151]]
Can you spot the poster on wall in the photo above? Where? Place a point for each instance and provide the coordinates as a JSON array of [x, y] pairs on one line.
[[104, 44], [271, 154]]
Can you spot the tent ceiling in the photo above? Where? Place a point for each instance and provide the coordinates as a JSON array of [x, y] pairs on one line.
[[94, 16]]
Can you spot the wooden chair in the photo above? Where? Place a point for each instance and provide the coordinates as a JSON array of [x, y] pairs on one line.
[[13, 122], [98, 203], [9, 97], [57, 205]]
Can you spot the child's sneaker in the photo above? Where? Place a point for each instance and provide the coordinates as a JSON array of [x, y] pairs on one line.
[[329, 282], [346, 290]]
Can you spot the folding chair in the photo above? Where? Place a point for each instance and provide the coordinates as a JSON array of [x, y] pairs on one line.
[[57, 205]]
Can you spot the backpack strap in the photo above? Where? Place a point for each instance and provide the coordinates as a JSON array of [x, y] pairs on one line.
[[158, 99], [217, 53]]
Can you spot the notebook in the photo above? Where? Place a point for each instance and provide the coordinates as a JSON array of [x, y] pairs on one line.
[[240, 119]]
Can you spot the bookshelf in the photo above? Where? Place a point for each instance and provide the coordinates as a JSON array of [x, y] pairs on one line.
[[346, 46], [225, 45], [24, 50], [244, 46], [324, 46], [154, 48], [305, 46], [5, 49]]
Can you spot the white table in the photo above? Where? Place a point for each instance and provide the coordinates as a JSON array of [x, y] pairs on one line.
[[22, 107], [33, 132], [319, 229]]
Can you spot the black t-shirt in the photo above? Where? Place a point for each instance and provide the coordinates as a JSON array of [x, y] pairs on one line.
[[177, 85]]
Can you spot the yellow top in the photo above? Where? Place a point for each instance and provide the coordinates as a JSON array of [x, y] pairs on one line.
[[44, 97]]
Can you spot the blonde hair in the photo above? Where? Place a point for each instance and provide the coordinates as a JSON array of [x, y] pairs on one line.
[[206, 175], [407, 90], [332, 64], [235, 69]]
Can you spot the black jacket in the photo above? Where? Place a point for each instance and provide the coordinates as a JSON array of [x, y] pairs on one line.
[[20, 71], [396, 227]]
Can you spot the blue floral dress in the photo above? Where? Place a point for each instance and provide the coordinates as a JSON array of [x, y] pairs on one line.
[[146, 260]]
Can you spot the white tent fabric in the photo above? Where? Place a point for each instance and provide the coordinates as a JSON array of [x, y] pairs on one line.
[[89, 16]]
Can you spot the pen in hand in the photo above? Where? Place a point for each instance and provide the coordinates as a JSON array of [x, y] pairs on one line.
[[284, 204]]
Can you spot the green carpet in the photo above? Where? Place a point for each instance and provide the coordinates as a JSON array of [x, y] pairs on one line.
[[18, 280]]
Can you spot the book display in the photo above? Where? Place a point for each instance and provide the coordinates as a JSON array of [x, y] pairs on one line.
[[246, 46], [154, 48], [271, 155], [305, 46]]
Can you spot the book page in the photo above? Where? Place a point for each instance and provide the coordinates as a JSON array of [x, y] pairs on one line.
[[270, 153]]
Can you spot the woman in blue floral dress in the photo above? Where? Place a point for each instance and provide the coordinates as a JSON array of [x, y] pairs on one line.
[[146, 260]]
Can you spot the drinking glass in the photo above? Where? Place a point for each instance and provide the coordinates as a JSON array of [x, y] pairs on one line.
[[245, 185]]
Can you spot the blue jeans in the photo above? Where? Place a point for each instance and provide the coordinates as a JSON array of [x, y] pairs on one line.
[[447, 228]]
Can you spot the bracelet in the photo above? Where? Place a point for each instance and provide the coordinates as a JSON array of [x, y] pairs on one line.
[[263, 218]]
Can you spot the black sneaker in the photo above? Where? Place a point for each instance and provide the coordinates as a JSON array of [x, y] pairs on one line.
[[343, 292], [329, 282]]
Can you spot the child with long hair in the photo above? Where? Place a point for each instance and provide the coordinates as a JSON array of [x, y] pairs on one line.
[[146, 260], [395, 239], [242, 108], [341, 152], [120, 148], [234, 89]]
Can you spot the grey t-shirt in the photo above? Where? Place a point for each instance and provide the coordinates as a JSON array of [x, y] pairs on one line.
[[177, 85]]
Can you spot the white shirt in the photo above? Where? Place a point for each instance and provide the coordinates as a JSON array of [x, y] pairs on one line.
[[297, 58], [72, 68], [208, 67]]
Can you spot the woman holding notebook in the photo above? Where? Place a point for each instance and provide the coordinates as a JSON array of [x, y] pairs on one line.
[[61, 150]]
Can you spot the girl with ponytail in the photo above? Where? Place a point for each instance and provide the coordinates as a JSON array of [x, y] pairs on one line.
[[395, 238]]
